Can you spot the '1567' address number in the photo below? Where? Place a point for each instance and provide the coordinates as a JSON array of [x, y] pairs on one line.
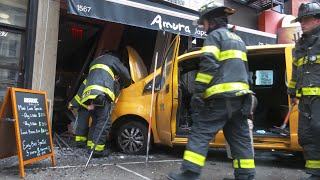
[[82, 8]]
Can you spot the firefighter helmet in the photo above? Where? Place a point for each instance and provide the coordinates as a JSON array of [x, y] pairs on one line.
[[307, 9], [215, 9]]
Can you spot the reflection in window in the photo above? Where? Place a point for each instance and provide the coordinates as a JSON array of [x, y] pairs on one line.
[[167, 65], [13, 12], [10, 49], [10, 44]]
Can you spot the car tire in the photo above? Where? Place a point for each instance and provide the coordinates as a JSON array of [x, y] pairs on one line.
[[132, 137]]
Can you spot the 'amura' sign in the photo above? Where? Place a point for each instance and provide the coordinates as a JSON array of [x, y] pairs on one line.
[[176, 26]]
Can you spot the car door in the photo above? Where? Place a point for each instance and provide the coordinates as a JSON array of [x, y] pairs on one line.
[[293, 124], [165, 106]]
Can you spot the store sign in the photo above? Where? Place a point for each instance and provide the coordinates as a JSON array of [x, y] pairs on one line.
[[3, 34], [192, 4], [159, 22], [144, 16]]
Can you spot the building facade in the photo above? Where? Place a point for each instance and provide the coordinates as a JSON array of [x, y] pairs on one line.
[[45, 44]]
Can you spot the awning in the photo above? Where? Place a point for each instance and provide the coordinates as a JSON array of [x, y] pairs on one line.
[[153, 16]]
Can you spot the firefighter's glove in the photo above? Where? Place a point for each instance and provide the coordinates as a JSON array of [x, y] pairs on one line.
[[197, 101]]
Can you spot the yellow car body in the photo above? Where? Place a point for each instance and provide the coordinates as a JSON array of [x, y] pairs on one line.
[[131, 115]]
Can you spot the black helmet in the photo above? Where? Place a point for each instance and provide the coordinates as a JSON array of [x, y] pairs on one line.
[[307, 9], [215, 9]]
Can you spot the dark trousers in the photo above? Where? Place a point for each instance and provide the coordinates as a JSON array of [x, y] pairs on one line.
[[215, 115], [83, 123], [309, 132], [100, 115]]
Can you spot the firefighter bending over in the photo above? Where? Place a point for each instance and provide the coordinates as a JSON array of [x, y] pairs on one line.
[[99, 92]]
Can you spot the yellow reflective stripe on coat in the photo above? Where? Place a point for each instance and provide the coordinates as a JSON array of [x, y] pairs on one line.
[[204, 78], [311, 91], [194, 158], [292, 84], [225, 87], [298, 94], [244, 163], [102, 66], [99, 88], [77, 98], [85, 82], [303, 61], [211, 49], [89, 143], [229, 54], [313, 164], [81, 138], [98, 147]]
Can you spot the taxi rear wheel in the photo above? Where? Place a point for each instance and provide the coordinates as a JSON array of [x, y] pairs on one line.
[[132, 138]]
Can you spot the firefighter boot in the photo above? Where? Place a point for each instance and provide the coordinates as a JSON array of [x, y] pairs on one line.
[[186, 175], [249, 178], [99, 154]]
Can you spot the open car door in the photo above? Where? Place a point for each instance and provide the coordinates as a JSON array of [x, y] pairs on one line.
[[166, 107]]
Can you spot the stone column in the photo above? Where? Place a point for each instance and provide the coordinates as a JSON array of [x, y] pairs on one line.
[[45, 56]]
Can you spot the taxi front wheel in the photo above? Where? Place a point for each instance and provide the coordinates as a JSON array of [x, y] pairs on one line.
[[132, 138]]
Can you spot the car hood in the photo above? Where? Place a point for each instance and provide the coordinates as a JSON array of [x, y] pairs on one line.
[[138, 70]]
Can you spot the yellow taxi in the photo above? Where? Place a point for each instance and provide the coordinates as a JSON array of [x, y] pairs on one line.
[[270, 71]]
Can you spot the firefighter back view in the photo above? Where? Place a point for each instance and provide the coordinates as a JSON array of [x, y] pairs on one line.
[[305, 85], [99, 93], [221, 88]]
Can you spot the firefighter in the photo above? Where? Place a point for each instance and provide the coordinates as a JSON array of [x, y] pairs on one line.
[[305, 85], [82, 137], [221, 88], [99, 93]]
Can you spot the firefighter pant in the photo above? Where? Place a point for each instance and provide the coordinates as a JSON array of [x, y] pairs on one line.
[[219, 114], [82, 128], [101, 116], [309, 132]]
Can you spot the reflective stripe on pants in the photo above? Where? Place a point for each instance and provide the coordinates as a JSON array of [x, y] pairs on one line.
[[209, 120], [309, 132]]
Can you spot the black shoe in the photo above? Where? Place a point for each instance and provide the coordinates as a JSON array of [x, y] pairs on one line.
[[249, 178], [99, 154], [186, 175], [81, 144]]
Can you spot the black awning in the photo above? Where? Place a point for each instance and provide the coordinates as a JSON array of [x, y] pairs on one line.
[[150, 15], [129, 14]]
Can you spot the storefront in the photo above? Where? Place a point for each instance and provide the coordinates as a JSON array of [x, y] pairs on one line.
[[43, 41]]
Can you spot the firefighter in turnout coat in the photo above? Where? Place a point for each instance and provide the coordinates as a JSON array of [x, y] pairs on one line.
[[221, 91], [305, 85], [99, 92]]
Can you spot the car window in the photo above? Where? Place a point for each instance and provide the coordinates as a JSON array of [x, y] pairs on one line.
[[264, 78], [166, 70]]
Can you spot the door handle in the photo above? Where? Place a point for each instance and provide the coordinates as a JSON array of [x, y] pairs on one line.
[[167, 88]]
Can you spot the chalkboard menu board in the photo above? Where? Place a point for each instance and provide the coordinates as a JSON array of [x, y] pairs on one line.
[[33, 125], [26, 111]]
